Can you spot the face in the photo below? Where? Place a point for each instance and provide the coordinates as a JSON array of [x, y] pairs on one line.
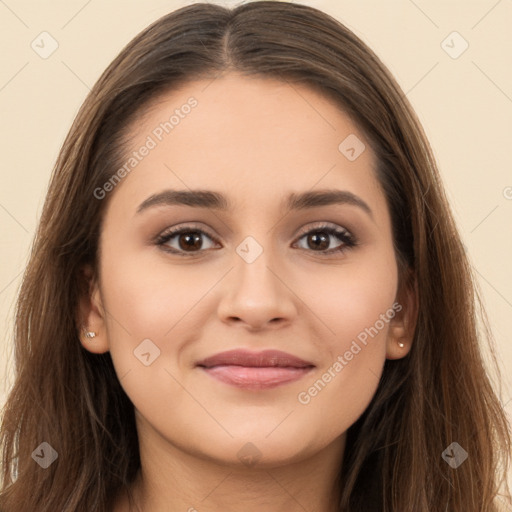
[[317, 281]]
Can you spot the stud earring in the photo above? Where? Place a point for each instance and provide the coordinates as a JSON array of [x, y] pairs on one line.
[[89, 334], [400, 344]]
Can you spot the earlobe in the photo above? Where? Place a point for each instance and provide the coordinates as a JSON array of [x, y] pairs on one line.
[[403, 325], [91, 320], [398, 344]]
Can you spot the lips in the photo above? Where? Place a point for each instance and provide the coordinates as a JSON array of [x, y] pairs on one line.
[[255, 370], [266, 358]]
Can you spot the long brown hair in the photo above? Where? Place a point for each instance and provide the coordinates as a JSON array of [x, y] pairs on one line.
[[440, 393]]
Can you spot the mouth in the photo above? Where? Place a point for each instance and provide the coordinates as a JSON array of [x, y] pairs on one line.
[[255, 370]]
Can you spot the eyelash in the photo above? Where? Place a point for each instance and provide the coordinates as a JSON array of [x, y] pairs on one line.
[[349, 241]]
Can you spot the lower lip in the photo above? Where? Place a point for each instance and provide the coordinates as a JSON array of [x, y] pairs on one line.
[[256, 377]]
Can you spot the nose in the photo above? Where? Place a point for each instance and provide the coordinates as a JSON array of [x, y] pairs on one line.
[[257, 295]]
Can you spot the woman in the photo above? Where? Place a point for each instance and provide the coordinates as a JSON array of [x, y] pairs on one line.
[[247, 290]]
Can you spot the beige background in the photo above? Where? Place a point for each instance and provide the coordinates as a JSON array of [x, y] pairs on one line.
[[464, 103]]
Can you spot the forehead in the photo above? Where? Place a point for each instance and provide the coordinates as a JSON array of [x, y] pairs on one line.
[[251, 138]]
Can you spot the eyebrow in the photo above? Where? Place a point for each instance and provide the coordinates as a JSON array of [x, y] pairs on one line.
[[217, 201]]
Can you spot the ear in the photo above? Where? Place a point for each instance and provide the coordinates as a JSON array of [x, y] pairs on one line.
[[403, 324], [91, 315]]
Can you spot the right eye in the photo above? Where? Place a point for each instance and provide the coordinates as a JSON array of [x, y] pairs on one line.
[[187, 237]]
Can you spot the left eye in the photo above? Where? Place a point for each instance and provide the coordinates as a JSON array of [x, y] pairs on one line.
[[322, 236], [189, 240]]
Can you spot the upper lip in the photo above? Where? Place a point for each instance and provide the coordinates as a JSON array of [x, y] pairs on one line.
[[265, 358]]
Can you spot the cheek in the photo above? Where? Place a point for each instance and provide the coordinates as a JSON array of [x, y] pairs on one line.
[[359, 314], [148, 298], [351, 298], [143, 302], [150, 310]]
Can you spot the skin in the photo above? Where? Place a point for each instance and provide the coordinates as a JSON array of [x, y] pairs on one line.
[[254, 140]]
